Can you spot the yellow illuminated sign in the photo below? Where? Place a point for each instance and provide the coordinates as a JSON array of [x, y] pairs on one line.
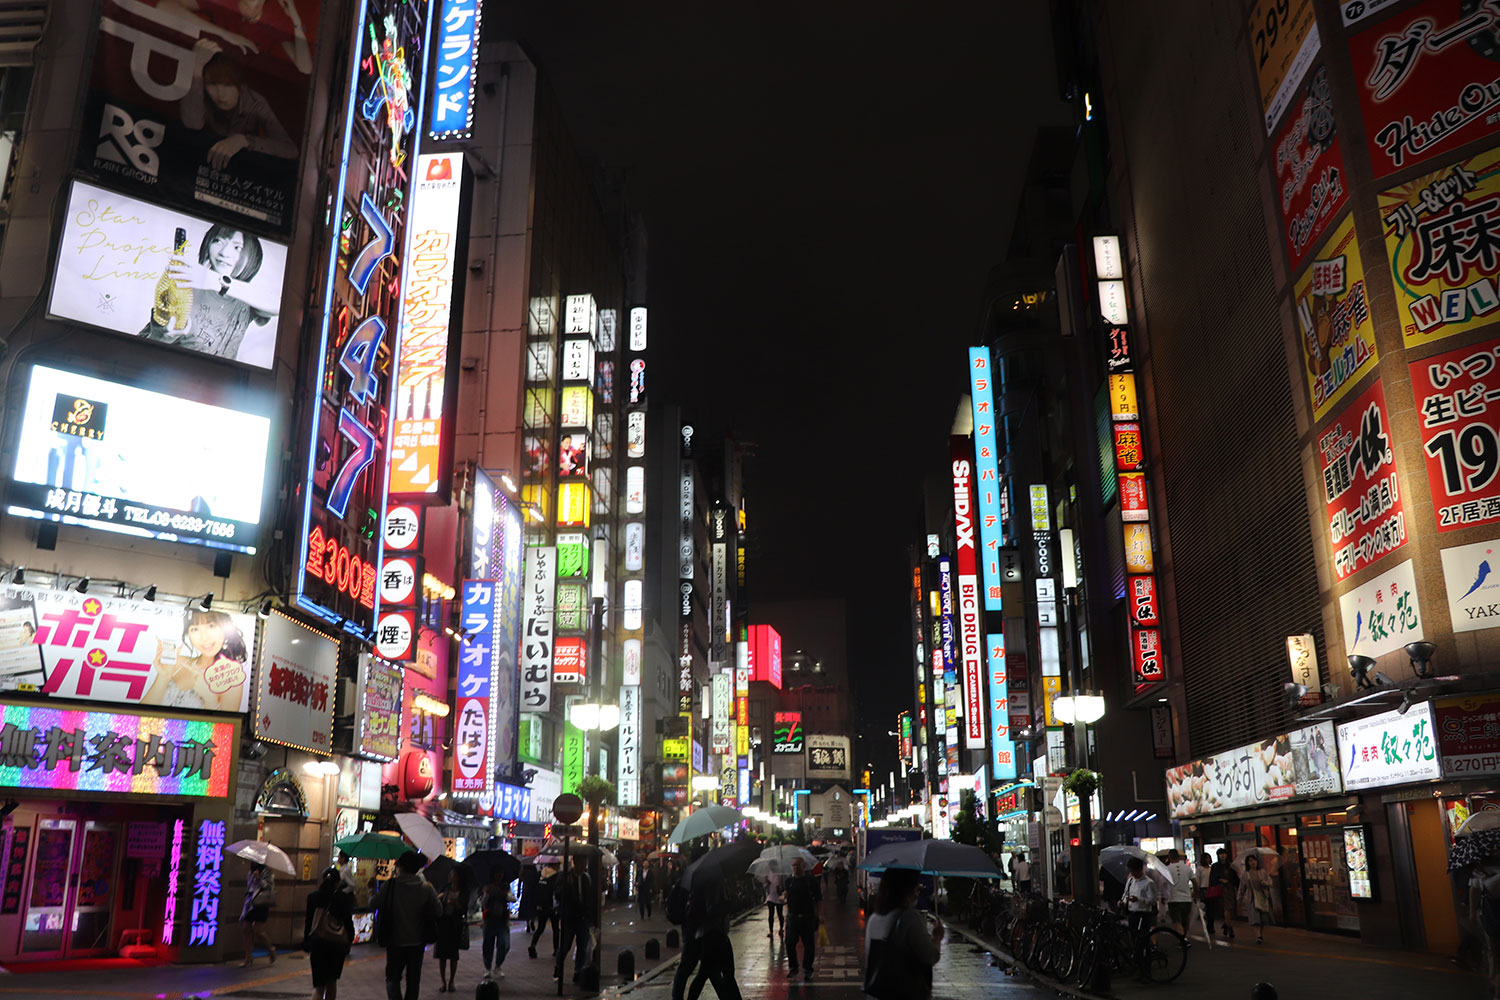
[[1138, 548], [573, 506]]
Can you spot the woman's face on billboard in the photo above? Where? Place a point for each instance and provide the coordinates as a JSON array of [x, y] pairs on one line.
[[224, 252], [207, 637]]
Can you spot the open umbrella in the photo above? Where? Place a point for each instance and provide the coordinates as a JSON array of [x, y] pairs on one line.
[[658, 855], [372, 845], [1489, 819], [1472, 848], [721, 862], [934, 857], [1116, 861], [485, 862], [709, 819], [262, 853], [424, 836], [787, 853], [1270, 860], [438, 870]]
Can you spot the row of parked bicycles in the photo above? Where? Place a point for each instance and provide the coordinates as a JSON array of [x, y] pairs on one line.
[[1067, 940]]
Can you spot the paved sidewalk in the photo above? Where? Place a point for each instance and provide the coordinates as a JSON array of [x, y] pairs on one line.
[[364, 972], [1302, 965]]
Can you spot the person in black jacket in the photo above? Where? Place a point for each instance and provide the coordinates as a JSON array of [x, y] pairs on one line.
[[575, 909], [715, 951], [803, 895], [330, 903], [544, 906]]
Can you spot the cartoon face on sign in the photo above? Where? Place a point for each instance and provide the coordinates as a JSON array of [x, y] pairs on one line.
[[416, 775]]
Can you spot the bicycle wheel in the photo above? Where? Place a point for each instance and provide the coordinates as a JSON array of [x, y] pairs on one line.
[[1166, 954], [1063, 953], [1088, 959], [1020, 940], [1118, 947]]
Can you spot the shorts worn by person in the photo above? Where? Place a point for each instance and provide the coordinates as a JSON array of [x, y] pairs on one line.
[[1181, 892]]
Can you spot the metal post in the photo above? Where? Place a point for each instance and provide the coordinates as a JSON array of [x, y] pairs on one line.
[[1085, 880], [596, 686], [562, 881]]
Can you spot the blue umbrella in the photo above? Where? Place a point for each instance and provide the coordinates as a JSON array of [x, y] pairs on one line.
[[933, 857]]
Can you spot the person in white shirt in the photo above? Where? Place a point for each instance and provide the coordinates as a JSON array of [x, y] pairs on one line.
[[1181, 893], [1139, 898]]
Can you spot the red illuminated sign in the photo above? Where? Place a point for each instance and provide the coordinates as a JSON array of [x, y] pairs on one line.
[[1128, 453], [1146, 653], [1133, 497], [765, 655], [1142, 593], [334, 564], [569, 660], [970, 640]]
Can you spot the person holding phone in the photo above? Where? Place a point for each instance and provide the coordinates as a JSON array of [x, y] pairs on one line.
[[1139, 898]]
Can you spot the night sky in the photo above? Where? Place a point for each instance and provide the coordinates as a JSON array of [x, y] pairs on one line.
[[825, 187]]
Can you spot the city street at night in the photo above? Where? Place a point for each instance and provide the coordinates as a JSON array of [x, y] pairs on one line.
[[618, 473]]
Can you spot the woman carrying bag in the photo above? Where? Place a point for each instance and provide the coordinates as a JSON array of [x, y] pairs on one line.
[[328, 933], [900, 950]]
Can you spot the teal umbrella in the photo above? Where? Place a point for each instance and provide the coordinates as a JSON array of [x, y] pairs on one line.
[[372, 845]]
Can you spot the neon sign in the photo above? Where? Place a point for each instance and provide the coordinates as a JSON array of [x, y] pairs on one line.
[[344, 494], [174, 870], [452, 111], [110, 752], [203, 927]]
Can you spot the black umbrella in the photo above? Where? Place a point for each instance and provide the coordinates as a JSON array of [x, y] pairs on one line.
[[722, 862], [485, 862], [437, 872]]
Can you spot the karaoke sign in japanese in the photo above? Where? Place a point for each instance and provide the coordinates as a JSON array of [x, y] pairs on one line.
[[476, 665]]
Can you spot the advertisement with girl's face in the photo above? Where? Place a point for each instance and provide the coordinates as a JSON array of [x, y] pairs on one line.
[[144, 271], [203, 103], [115, 649]]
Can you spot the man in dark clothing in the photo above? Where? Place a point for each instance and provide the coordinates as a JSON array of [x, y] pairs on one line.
[[544, 906], [574, 916], [803, 894], [715, 951], [408, 906], [645, 889], [1223, 877]]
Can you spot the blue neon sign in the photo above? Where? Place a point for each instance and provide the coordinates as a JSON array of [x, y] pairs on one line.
[[987, 472], [452, 113]]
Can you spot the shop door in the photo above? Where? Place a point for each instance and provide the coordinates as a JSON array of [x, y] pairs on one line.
[[73, 876]]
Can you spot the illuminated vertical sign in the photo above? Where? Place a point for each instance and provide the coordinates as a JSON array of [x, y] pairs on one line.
[[765, 655], [344, 493], [630, 746], [203, 923], [987, 488], [970, 641], [720, 522], [174, 874], [1146, 654], [537, 586], [452, 112], [722, 688], [424, 397], [472, 735]]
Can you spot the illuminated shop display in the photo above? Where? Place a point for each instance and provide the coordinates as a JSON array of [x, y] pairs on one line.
[[970, 639], [203, 924], [1148, 659], [124, 754], [345, 491], [294, 693]]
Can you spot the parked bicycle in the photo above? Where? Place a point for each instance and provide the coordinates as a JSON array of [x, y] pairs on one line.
[[1159, 952]]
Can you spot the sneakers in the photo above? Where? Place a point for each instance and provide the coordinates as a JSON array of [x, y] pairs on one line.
[[531, 950]]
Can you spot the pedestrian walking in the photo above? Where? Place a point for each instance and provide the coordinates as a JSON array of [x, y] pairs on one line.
[[1484, 908], [530, 879], [1224, 885], [841, 881], [803, 896], [1140, 908], [260, 896], [328, 932], [715, 951], [692, 943], [775, 905], [899, 949], [452, 929], [645, 890], [1255, 896], [1180, 893], [494, 910], [1020, 871], [574, 909], [406, 922], [544, 904]]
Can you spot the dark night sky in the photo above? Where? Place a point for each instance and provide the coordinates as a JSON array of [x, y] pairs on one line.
[[825, 186]]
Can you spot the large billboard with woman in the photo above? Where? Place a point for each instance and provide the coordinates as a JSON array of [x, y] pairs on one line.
[[169, 278], [202, 104]]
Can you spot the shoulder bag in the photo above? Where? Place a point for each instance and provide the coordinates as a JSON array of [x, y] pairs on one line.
[[329, 929]]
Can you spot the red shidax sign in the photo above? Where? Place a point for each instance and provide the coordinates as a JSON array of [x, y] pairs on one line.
[[970, 642]]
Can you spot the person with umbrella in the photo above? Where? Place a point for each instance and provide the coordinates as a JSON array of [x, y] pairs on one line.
[[575, 897], [545, 906], [899, 951], [803, 896], [328, 932], [494, 907], [1255, 896], [1226, 880], [1139, 898], [715, 950], [260, 896], [453, 928], [408, 907], [530, 879]]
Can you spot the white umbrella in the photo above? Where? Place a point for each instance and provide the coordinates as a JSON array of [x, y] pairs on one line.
[[787, 853], [423, 835], [262, 853], [1489, 819], [1116, 861], [709, 819], [1270, 860]]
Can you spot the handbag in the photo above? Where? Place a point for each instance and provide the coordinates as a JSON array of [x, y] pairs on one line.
[[265, 895], [329, 929], [823, 941], [890, 975]]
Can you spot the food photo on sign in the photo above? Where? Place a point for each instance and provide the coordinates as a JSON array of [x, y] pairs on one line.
[[91, 647]]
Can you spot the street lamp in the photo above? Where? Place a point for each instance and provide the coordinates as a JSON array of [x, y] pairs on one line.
[[1086, 707]]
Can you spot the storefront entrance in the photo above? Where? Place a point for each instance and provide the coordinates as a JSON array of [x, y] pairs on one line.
[[74, 889]]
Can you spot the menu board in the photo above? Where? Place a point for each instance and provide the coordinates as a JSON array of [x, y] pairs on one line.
[[1357, 858]]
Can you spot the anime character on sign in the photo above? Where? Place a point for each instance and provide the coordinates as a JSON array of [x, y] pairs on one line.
[[214, 678], [208, 306], [392, 90]]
